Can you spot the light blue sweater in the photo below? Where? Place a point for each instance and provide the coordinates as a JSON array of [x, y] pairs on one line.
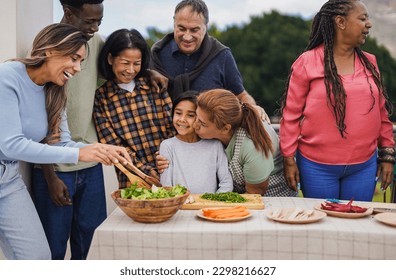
[[23, 121]]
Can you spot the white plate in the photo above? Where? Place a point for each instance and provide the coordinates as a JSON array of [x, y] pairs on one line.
[[378, 210], [387, 218], [316, 216], [200, 214], [368, 212]]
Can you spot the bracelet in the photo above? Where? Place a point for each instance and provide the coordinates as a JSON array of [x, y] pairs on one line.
[[286, 157], [386, 154], [386, 151]]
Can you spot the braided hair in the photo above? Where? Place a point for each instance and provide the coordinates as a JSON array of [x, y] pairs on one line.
[[323, 32]]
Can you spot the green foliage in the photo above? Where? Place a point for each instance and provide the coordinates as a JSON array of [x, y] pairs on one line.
[[155, 35], [264, 50], [387, 66]]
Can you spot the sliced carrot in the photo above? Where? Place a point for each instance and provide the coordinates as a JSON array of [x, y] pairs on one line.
[[217, 210], [235, 215], [229, 213], [222, 213]]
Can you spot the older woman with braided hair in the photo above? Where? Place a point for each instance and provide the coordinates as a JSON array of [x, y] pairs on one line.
[[335, 110]]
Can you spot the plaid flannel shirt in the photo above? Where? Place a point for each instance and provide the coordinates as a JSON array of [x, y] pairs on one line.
[[137, 120]]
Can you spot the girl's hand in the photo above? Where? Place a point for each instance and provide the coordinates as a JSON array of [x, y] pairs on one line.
[[154, 173], [161, 162]]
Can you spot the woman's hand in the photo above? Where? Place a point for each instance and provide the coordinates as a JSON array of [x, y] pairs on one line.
[[291, 172], [260, 188], [104, 153], [385, 174], [158, 82]]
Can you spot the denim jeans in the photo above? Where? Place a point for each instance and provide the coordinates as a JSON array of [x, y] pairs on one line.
[[77, 221], [344, 182], [21, 234]]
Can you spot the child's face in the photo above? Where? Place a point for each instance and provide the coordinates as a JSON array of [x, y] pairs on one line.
[[184, 117], [126, 65]]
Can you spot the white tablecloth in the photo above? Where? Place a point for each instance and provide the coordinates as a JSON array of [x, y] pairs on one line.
[[185, 236]]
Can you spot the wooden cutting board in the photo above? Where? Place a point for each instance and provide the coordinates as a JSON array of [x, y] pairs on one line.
[[255, 201]]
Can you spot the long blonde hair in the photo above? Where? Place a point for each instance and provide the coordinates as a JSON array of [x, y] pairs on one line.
[[65, 39], [223, 108]]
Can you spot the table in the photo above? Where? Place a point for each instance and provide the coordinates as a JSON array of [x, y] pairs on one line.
[[187, 237]]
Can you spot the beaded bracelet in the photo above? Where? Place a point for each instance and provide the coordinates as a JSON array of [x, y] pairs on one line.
[[386, 154]]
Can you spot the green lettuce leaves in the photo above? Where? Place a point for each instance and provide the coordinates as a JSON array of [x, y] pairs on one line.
[[133, 192]]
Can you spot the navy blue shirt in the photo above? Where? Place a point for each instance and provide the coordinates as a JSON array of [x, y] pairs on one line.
[[221, 72]]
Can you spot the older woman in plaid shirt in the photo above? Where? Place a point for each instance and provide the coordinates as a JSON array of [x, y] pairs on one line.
[[127, 112]]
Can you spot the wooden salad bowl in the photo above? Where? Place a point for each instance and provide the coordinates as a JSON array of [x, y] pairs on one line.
[[149, 210]]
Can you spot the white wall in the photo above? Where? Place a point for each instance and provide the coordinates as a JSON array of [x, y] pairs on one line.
[[7, 29], [20, 20]]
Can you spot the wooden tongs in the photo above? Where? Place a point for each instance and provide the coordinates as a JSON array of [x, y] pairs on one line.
[[142, 179], [149, 179]]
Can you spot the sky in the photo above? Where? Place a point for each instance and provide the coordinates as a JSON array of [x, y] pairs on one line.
[[140, 14]]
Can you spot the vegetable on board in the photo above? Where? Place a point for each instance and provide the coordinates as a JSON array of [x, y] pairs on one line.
[[231, 197]]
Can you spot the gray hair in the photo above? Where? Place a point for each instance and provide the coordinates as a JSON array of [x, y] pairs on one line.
[[197, 6]]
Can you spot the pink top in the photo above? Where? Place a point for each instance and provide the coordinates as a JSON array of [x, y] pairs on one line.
[[309, 124]]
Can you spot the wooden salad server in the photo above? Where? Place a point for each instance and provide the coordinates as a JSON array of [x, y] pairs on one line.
[[149, 179], [132, 177]]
